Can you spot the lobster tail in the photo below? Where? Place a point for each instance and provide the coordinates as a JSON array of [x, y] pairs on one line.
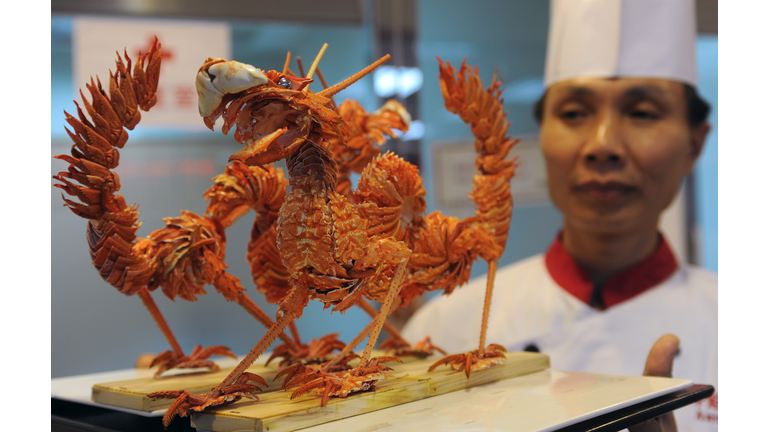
[[146, 80], [367, 131], [239, 190], [188, 252], [392, 197], [483, 110], [444, 247], [269, 274], [493, 198], [94, 152], [129, 93], [112, 224]]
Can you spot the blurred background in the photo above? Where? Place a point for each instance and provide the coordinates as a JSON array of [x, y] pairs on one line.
[[171, 157]]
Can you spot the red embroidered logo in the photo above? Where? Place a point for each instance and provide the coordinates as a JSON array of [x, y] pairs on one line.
[[706, 410]]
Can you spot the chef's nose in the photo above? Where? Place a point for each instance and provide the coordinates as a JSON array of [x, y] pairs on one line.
[[604, 145]]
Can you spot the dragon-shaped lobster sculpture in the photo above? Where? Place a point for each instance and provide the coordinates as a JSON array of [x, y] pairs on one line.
[[311, 238]]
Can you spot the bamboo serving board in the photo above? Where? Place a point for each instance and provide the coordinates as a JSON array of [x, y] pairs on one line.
[[276, 412], [132, 394]]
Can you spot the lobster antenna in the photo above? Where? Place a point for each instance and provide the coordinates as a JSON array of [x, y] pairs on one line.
[[317, 61], [322, 78], [325, 86], [300, 65], [330, 91], [287, 60]]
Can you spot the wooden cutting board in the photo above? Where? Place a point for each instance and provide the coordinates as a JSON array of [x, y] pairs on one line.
[[276, 412]]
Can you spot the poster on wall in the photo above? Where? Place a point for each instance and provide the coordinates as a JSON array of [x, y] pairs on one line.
[[185, 46], [454, 167]]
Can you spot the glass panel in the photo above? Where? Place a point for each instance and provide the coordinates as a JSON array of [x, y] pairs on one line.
[[706, 171]]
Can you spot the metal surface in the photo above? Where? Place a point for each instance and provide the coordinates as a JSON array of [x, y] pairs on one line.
[[327, 11], [706, 16], [623, 418]]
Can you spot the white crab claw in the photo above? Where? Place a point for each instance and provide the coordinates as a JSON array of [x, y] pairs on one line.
[[223, 78], [393, 105]]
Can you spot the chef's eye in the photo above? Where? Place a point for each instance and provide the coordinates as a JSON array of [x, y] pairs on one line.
[[284, 82], [572, 114], [643, 115], [644, 111], [572, 111]]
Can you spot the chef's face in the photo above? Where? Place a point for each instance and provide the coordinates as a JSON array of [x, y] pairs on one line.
[[616, 150]]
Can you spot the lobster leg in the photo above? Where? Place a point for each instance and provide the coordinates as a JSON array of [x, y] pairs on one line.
[[374, 327], [254, 354], [226, 391], [396, 343], [252, 308], [487, 304], [350, 346], [369, 370], [149, 303], [366, 332], [394, 290], [371, 311], [175, 358], [294, 332]]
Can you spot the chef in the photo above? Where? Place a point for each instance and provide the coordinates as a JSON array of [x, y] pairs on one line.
[[621, 126]]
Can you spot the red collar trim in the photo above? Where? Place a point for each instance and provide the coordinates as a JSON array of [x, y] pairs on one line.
[[623, 286]]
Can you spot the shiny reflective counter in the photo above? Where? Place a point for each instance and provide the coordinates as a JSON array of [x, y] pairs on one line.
[[543, 401]]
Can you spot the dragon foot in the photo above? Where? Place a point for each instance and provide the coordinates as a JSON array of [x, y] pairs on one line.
[[342, 384], [400, 348], [186, 401], [301, 373], [473, 360], [197, 359], [316, 352]]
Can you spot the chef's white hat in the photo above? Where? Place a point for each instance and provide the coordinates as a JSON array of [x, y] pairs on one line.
[[615, 38]]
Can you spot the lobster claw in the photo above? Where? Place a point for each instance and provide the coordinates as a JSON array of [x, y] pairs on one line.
[[218, 77]]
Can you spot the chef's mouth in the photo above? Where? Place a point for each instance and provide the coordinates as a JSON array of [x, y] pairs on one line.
[[605, 191]]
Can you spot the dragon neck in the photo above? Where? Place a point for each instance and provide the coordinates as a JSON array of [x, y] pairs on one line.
[[312, 164]]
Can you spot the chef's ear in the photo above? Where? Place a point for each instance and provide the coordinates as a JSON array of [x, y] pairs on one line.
[[699, 137]]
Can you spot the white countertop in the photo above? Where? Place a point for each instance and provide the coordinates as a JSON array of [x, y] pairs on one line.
[[541, 401]]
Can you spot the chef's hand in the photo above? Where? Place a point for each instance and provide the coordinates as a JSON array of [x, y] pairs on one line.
[[144, 361], [659, 363]]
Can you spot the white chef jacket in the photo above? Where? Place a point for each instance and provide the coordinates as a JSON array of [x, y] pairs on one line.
[[531, 310]]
